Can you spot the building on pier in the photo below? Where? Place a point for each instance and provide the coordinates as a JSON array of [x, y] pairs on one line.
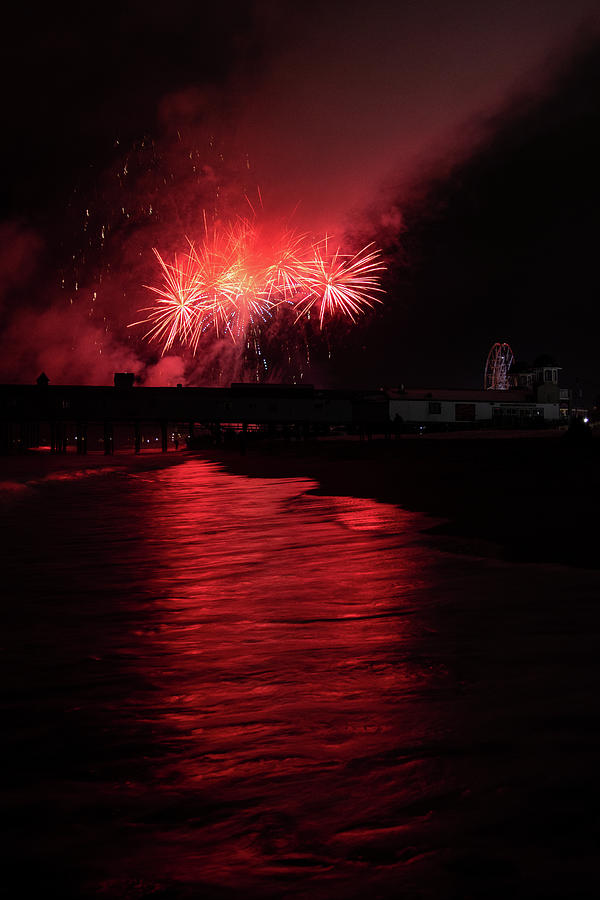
[[466, 408]]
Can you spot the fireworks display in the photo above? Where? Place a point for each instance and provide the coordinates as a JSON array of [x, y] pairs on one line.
[[248, 296], [237, 278]]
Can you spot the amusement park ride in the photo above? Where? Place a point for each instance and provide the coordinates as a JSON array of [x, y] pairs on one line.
[[497, 368]]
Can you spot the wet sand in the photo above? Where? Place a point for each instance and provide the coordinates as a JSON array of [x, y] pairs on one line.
[[524, 642], [225, 687], [522, 497], [527, 498]]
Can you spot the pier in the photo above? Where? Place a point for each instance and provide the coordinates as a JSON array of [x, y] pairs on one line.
[[62, 414]]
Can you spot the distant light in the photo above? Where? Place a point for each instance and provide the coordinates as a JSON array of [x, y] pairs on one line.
[[586, 420]]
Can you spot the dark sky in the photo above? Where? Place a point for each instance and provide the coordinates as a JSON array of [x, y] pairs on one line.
[[460, 135]]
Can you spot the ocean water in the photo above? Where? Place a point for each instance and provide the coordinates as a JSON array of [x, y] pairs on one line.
[[218, 686]]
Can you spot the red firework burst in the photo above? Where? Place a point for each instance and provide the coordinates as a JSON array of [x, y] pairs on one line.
[[233, 279], [341, 283], [175, 316]]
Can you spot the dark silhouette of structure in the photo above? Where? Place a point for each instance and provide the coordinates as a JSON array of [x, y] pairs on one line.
[[62, 410]]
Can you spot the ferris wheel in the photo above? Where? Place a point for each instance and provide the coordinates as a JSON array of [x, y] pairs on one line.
[[500, 359]]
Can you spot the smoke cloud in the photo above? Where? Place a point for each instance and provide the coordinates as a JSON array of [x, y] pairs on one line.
[[319, 118]]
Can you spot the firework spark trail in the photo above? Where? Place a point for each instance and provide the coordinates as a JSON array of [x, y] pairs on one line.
[[231, 274], [285, 274], [234, 280], [252, 296], [341, 283], [176, 313], [213, 272]]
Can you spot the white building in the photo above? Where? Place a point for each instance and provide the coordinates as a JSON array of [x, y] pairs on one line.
[[445, 407]]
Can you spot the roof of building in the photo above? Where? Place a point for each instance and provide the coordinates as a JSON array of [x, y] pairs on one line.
[[461, 396]]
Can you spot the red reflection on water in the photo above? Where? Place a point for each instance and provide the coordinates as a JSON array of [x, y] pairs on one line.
[[287, 674]]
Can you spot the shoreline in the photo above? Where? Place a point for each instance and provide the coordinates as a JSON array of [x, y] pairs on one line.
[[522, 500], [526, 500], [36, 464]]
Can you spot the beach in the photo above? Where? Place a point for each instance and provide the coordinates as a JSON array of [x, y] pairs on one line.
[[520, 496], [306, 670]]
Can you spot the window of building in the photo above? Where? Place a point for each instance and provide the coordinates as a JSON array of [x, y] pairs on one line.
[[435, 408], [464, 412]]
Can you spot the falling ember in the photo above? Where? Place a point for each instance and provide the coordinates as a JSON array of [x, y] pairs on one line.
[[234, 279]]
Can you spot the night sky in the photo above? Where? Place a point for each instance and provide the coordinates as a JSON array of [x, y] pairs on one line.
[[461, 137]]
